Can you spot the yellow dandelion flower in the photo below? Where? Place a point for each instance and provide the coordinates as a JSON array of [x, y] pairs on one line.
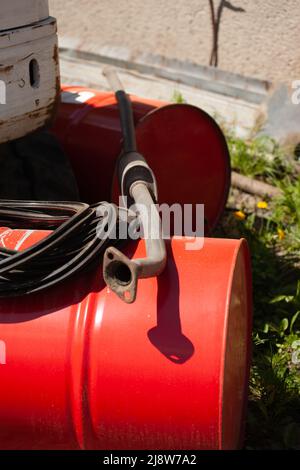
[[262, 205], [281, 234], [240, 215]]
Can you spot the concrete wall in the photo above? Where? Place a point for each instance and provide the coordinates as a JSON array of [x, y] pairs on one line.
[[261, 41]]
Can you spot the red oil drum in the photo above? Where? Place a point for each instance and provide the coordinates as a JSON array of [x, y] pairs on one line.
[[181, 143], [86, 371], [88, 127]]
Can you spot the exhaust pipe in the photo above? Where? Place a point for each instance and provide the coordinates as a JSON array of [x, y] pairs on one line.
[[137, 182]]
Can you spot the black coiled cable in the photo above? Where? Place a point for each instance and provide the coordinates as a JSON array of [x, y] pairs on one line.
[[71, 247]]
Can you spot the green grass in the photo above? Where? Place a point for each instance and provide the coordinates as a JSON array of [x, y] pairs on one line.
[[177, 97], [274, 405], [261, 158]]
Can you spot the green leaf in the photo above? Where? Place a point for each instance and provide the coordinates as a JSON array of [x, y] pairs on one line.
[[293, 320], [284, 324], [266, 328], [281, 298]]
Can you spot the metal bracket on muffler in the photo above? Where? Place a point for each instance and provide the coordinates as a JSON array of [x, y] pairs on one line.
[[138, 184], [120, 274]]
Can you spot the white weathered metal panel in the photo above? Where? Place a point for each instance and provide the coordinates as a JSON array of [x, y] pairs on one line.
[[15, 13], [29, 75]]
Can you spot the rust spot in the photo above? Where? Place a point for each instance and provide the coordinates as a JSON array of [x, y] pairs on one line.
[[56, 102], [6, 68], [55, 54], [35, 114], [45, 113], [57, 86]]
